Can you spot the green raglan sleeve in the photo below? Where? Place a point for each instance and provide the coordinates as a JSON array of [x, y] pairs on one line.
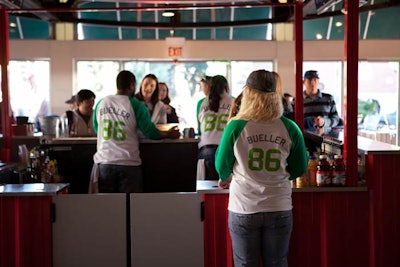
[[94, 117], [197, 115], [297, 160], [225, 157], [143, 119]]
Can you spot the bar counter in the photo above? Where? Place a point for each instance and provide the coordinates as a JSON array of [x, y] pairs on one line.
[[26, 217], [211, 187], [34, 189], [369, 146], [169, 165], [332, 226]]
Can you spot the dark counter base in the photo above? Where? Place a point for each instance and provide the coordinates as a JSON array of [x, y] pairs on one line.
[[167, 166], [75, 164]]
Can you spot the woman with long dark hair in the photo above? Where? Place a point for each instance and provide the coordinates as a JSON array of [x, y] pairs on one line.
[[212, 117], [163, 95], [148, 93]]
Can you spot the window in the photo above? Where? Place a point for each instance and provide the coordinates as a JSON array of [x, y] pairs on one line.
[[330, 82], [98, 76], [183, 79], [29, 88], [241, 69], [378, 93]]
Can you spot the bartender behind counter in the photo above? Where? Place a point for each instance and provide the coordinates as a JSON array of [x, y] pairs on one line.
[[319, 108], [117, 162], [82, 125]]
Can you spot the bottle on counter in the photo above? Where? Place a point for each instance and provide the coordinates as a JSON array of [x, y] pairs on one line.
[[312, 170], [331, 159], [323, 171], [23, 155], [302, 181], [338, 171], [361, 170], [293, 183]]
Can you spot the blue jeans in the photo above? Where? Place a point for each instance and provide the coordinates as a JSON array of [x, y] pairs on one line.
[[207, 153], [267, 233], [120, 179]]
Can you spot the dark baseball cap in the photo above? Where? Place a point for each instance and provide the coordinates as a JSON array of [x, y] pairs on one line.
[[310, 74], [262, 80], [71, 100]]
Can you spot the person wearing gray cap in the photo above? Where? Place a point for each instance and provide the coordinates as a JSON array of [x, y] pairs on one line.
[[67, 117], [72, 103], [319, 108], [259, 153]]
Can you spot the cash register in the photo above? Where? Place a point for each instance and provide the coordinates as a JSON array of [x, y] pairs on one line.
[[327, 142]]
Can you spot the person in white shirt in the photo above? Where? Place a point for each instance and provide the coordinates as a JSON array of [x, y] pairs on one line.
[[205, 85], [148, 93], [117, 119], [259, 153], [212, 115]]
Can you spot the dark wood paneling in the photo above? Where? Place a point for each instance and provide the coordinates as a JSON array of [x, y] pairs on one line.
[[382, 175]]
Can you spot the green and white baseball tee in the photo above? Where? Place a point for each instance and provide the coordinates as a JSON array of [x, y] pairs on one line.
[[262, 158]]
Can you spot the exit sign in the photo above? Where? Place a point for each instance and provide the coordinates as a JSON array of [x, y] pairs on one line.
[[175, 52]]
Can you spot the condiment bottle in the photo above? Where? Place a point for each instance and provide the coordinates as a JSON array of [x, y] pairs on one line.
[[338, 171], [293, 183], [323, 171], [312, 170], [302, 181], [331, 159]]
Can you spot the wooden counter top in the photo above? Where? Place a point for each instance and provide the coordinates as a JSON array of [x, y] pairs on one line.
[[369, 146], [93, 140], [211, 187]]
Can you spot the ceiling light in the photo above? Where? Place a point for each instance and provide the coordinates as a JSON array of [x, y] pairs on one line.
[[338, 24], [168, 14], [318, 36], [360, 4], [12, 24]]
